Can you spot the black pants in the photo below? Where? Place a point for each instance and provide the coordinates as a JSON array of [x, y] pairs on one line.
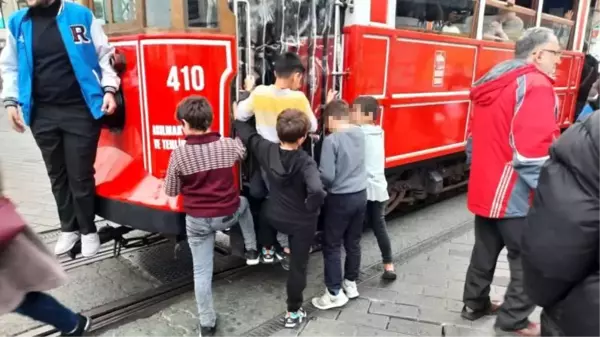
[[548, 327], [491, 235], [376, 218], [301, 237], [344, 218], [68, 139]]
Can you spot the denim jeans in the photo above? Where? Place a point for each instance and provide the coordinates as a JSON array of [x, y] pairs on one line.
[[46, 309], [344, 219], [201, 239]]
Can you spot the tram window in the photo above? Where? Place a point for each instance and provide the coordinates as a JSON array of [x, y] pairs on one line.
[[8, 7], [202, 13], [99, 10], [158, 13], [558, 16], [124, 11], [507, 20], [443, 16]]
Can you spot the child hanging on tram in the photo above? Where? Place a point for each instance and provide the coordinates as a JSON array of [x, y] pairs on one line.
[[265, 103], [297, 195], [344, 175], [201, 171], [365, 112]]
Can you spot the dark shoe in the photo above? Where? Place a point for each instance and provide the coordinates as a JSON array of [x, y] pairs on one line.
[[389, 275], [472, 315], [267, 255], [292, 319], [252, 257], [84, 325], [284, 259], [208, 331], [532, 330]]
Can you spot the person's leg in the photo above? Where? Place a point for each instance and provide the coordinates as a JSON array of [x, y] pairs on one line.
[[376, 217], [487, 247], [244, 218], [352, 236], [45, 308], [81, 134], [49, 138], [336, 222], [284, 255], [201, 239], [267, 237], [300, 243], [514, 313]]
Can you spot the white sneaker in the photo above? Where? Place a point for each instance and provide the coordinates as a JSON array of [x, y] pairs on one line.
[[90, 244], [328, 301], [66, 241], [350, 289]]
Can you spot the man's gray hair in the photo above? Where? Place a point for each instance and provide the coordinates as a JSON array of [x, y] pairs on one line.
[[531, 39]]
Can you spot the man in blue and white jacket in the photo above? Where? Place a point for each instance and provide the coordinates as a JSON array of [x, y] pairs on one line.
[[56, 68]]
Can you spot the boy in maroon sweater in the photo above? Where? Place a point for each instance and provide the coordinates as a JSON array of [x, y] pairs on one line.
[[201, 171]]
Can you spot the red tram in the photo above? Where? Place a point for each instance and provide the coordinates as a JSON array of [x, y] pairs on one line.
[[418, 58]]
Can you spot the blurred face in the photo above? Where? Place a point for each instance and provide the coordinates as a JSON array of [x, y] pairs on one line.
[[34, 3], [547, 57]]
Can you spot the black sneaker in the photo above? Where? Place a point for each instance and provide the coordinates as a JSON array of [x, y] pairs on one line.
[[84, 325], [252, 257], [292, 319], [284, 259], [267, 255], [208, 330]]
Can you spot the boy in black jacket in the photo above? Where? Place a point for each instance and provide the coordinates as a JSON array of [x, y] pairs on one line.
[[296, 197]]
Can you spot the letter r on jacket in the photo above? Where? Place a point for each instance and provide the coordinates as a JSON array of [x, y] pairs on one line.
[[78, 32]]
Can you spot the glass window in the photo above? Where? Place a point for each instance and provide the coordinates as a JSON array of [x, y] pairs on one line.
[[8, 7], [452, 17], [202, 13], [507, 20], [558, 15], [99, 9], [124, 10], [158, 13]]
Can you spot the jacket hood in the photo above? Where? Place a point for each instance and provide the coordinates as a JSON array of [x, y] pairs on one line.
[[487, 89], [372, 130], [286, 164]]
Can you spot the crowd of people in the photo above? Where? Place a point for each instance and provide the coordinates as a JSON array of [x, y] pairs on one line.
[[532, 190]]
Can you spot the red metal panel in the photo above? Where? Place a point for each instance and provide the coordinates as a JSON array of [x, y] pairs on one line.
[[379, 11], [416, 60], [563, 71], [370, 72], [489, 57]]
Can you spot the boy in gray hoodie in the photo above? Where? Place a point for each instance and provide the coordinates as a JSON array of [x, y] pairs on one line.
[[344, 176], [366, 111]]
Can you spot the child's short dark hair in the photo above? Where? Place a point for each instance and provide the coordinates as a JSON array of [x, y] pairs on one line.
[[196, 111], [367, 104], [292, 124], [337, 108], [287, 64]]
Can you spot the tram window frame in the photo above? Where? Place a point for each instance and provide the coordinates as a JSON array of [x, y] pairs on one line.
[[509, 6], [431, 30], [559, 21]]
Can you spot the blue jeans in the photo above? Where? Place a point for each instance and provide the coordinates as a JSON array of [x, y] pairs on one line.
[[201, 239], [46, 309]]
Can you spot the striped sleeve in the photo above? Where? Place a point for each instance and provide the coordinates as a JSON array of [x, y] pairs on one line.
[[172, 179]]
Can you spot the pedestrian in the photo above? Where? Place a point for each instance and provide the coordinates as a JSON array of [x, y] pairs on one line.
[[56, 68], [515, 122], [297, 195], [266, 102], [560, 238], [202, 172], [27, 270], [367, 110], [344, 175]]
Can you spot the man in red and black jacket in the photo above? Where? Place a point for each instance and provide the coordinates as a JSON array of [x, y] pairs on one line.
[[513, 123]]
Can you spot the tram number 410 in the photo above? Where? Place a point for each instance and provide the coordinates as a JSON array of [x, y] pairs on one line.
[[193, 78]]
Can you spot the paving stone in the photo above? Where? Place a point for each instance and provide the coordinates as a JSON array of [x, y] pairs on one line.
[[357, 304], [454, 305], [377, 294], [502, 265], [394, 310], [327, 327], [425, 279], [366, 331], [421, 301], [439, 316], [434, 291], [375, 321], [286, 333], [402, 287], [463, 331], [414, 328], [331, 313], [461, 253]]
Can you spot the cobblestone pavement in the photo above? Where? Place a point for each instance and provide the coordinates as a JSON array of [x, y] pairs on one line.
[[427, 293]]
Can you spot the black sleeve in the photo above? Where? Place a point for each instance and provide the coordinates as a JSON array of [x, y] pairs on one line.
[[258, 146], [315, 194]]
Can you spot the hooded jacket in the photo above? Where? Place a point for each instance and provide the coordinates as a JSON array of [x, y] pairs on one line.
[[513, 122], [375, 163], [560, 242], [296, 192]]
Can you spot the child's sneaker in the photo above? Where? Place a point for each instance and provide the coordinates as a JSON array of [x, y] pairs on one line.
[[284, 259], [328, 301], [252, 257], [267, 255], [350, 289], [294, 318]]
